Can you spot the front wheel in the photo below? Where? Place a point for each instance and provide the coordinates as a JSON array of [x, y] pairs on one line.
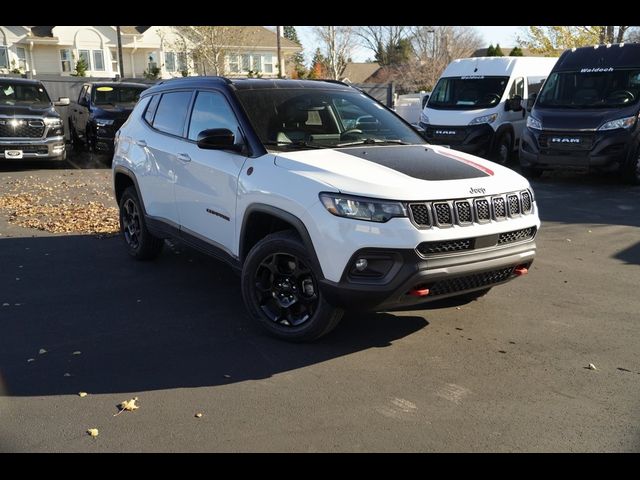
[[281, 290], [502, 150]]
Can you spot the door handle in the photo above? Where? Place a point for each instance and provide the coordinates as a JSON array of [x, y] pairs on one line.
[[183, 157], [141, 143]]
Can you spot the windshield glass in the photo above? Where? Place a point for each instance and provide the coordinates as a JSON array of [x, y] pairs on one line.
[[114, 95], [315, 118], [467, 93], [15, 93], [615, 88]]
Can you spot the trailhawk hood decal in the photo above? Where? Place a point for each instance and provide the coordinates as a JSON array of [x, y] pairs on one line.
[[411, 172]]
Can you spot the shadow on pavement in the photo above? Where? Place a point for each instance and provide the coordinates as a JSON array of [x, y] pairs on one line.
[[176, 322]]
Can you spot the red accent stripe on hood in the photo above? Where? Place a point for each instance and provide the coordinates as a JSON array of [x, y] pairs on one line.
[[471, 163]]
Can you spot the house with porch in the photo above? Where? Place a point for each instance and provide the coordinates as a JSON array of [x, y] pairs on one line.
[[160, 51]]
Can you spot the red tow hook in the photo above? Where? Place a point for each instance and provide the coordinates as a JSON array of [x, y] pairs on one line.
[[520, 271], [419, 292]]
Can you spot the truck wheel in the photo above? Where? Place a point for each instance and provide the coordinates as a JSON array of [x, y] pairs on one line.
[[73, 135], [531, 172], [281, 291], [141, 245], [502, 150]]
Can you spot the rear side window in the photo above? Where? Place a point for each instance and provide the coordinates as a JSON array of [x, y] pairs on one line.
[[211, 110], [151, 109], [172, 112]]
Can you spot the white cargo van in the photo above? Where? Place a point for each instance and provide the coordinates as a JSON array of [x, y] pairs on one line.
[[477, 106]]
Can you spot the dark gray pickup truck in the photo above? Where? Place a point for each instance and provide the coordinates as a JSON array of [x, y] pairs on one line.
[[30, 128], [101, 109]]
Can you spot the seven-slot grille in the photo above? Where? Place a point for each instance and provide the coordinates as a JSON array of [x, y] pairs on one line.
[[21, 128], [465, 212]]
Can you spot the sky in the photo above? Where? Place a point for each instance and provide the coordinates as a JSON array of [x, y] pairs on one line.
[[504, 35]]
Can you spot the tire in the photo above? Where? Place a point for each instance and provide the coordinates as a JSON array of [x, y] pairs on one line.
[[531, 172], [90, 141], [75, 140], [503, 149], [140, 244], [281, 291], [632, 173]]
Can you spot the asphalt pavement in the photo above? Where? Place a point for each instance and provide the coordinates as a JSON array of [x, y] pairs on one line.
[[507, 373]]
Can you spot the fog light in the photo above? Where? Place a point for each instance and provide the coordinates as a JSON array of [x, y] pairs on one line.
[[361, 264]]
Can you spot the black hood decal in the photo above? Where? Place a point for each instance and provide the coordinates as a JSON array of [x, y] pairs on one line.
[[420, 162]]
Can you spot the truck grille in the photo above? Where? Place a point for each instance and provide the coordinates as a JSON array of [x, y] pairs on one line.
[[517, 236], [566, 141], [426, 249], [21, 128], [429, 248], [43, 149], [477, 280], [465, 212]]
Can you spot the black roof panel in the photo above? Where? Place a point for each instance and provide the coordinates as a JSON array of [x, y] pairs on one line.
[[613, 56]]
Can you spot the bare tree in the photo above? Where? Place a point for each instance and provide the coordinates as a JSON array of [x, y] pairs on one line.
[[383, 40], [338, 45], [551, 40], [212, 43]]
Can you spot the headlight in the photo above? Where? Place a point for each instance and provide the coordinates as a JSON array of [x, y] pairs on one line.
[[626, 122], [423, 118], [484, 119], [360, 208], [533, 122], [52, 122], [103, 122]]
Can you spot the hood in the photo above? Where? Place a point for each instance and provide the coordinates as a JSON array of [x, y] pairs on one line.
[[113, 111], [10, 110], [572, 119], [398, 172], [457, 117]]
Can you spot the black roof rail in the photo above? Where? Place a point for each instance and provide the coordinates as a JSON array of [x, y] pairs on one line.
[[339, 82]]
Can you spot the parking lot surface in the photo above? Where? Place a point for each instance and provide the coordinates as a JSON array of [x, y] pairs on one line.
[[507, 373]]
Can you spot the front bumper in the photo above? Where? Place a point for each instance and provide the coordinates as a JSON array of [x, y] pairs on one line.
[[50, 148], [474, 139], [606, 150], [444, 276]]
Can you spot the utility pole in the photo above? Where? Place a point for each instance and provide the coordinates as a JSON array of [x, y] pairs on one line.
[[120, 60], [281, 73]]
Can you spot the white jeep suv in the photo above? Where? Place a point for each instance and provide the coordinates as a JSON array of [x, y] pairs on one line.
[[321, 197]]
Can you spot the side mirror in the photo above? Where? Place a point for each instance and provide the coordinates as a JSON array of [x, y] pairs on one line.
[[514, 104], [531, 100], [218, 139], [62, 102]]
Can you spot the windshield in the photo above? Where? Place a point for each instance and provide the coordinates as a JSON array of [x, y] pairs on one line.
[[15, 93], [467, 93], [114, 95], [313, 118], [615, 88]]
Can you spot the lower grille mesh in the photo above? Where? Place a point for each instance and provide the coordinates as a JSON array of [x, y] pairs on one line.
[[477, 280]]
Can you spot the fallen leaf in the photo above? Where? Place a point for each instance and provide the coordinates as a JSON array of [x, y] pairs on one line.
[[198, 415], [82, 394], [93, 432], [128, 405], [41, 351], [568, 239], [592, 367], [77, 352]]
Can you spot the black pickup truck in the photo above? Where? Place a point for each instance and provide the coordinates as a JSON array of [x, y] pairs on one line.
[[30, 128], [101, 109]]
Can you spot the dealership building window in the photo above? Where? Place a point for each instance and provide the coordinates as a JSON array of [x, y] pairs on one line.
[[98, 60], [170, 61], [85, 54], [115, 67], [4, 57], [65, 59], [245, 63], [21, 52]]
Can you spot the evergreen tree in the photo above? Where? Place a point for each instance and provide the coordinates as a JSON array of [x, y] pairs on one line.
[[299, 69], [318, 66], [516, 52], [491, 51], [499, 51]]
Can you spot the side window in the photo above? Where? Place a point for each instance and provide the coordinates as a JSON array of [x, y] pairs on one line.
[[535, 84], [517, 88], [151, 109], [211, 110], [172, 112], [83, 92]]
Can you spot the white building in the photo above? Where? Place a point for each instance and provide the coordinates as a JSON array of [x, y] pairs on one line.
[[54, 50]]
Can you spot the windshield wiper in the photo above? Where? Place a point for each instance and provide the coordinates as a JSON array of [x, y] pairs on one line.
[[372, 141], [296, 143]]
